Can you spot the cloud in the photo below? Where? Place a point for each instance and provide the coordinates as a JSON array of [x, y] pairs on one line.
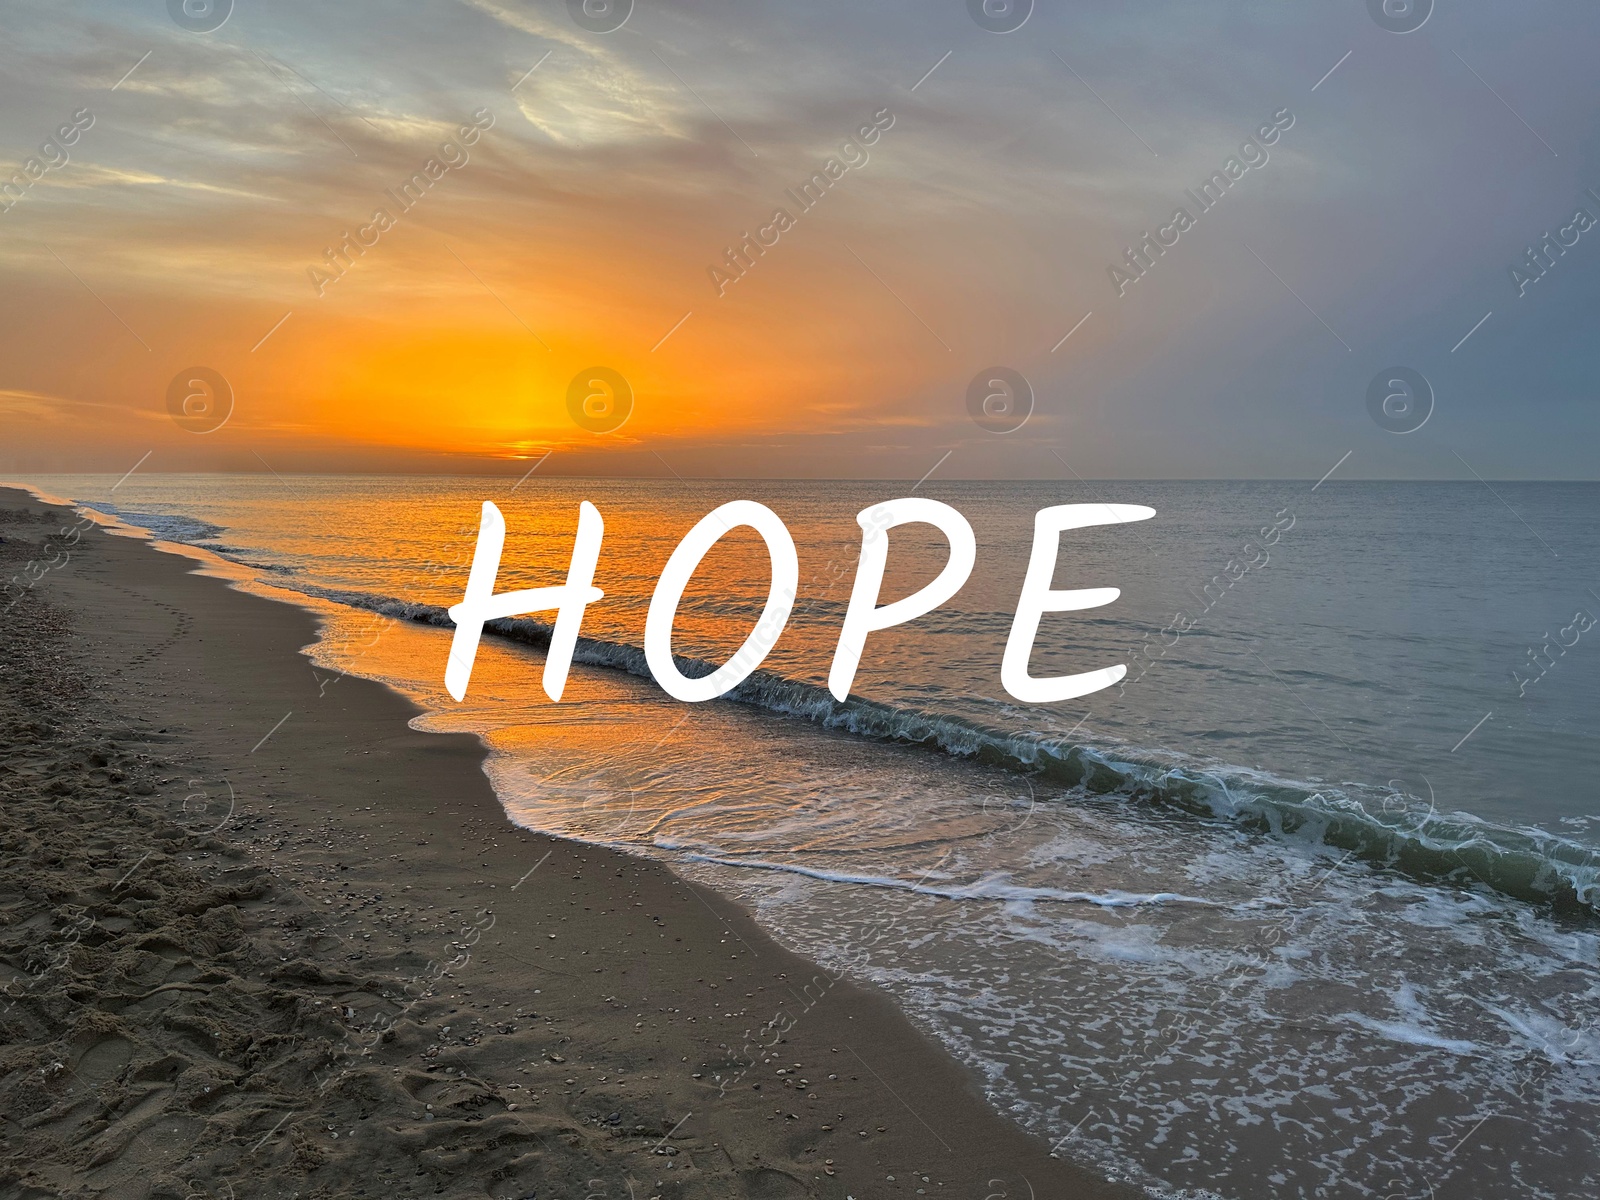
[[625, 166]]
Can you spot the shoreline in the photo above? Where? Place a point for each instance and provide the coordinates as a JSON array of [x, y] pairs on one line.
[[390, 891]]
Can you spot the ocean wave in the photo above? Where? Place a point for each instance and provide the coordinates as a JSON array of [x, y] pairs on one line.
[[168, 527], [1381, 826]]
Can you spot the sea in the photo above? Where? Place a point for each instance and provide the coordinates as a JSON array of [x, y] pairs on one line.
[[1308, 905]]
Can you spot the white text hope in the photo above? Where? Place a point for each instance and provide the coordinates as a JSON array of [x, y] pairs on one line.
[[863, 616]]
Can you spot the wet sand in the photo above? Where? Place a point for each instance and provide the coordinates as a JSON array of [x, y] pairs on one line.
[[260, 938]]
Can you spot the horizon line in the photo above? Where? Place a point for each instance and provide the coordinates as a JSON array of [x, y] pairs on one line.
[[1046, 479]]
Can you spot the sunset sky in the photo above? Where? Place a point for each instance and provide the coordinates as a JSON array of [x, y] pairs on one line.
[[977, 231]]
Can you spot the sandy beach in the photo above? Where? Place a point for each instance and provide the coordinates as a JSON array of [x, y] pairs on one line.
[[262, 939]]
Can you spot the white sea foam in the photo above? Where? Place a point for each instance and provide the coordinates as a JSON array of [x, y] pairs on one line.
[[991, 888]]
